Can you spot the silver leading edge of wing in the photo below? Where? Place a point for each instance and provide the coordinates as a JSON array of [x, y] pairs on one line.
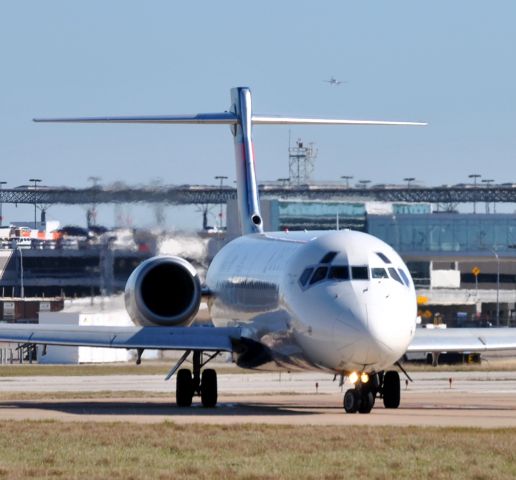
[[159, 338], [463, 340]]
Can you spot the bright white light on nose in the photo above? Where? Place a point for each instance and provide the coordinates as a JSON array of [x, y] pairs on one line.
[[353, 377], [364, 377]]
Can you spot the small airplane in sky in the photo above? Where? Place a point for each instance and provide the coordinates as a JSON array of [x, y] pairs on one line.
[[334, 82], [339, 302]]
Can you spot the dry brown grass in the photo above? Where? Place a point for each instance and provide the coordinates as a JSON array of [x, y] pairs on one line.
[[32, 449]]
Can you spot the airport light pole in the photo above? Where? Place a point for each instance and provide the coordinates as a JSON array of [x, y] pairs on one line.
[[36, 181], [1, 209], [497, 287], [488, 181], [22, 287], [409, 180], [474, 176], [364, 183], [510, 317], [221, 178], [92, 213], [347, 178]]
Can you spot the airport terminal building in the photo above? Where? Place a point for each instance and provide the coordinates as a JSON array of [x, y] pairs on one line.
[[463, 264]]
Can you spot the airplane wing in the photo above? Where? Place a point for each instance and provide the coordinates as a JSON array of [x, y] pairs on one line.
[[159, 338], [463, 340]]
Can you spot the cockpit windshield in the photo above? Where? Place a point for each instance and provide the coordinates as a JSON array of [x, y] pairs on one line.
[[339, 273], [360, 273]]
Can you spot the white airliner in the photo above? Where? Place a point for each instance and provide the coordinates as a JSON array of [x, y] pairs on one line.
[[342, 302], [334, 82]]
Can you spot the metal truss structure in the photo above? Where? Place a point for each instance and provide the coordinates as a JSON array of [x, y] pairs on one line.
[[206, 194]]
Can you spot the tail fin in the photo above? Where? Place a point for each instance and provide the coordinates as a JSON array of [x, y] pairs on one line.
[[241, 120]]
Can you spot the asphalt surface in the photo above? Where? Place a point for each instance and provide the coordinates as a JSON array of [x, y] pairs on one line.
[[474, 399]]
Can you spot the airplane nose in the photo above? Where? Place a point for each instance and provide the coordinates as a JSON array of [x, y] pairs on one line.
[[357, 347], [372, 336], [390, 328]]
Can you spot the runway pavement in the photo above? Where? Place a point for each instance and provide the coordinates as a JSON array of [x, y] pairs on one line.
[[474, 399]]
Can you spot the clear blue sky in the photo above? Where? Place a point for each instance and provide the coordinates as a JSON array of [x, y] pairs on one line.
[[452, 64]]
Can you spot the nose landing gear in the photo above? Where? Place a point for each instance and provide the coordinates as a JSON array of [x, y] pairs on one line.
[[361, 399]]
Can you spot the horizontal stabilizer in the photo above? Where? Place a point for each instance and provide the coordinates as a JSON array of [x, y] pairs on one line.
[[224, 118], [277, 120]]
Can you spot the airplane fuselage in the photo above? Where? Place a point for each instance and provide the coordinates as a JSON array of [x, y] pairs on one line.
[[341, 301]]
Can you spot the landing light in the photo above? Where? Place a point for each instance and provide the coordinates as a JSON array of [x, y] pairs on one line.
[[364, 378], [353, 377]]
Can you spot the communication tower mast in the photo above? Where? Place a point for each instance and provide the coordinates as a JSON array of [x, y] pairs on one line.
[[301, 162]]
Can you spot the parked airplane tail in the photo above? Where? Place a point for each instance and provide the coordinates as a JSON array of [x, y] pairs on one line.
[[241, 119]]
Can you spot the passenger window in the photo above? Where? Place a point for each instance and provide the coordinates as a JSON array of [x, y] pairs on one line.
[[339, 273], [319, 274], [328, 258], [379, 273], [383, 257], [359, 273], [394, 275], [303, 279], [404, 276]]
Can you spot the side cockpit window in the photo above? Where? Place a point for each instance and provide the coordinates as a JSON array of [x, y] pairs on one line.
[[404, 277], [319, 275], [379, 273], [383, 257], [328, 258], [339, 273], [303, 279], [394, 275], [360, 273]]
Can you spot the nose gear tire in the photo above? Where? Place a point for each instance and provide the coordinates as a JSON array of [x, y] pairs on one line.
[[351, 401], [366, 403]]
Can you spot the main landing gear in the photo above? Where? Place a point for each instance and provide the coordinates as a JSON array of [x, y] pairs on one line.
[[193, 383], [385, 385]]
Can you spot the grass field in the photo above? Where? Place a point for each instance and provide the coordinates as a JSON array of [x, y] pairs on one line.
[[30, 449]]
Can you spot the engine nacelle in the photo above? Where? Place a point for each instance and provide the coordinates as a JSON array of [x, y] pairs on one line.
[[163, 291]]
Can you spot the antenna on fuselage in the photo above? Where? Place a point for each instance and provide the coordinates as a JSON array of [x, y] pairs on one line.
[[241, 119]]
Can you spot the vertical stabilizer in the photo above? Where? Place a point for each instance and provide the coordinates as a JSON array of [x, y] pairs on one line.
[[247, 188]]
